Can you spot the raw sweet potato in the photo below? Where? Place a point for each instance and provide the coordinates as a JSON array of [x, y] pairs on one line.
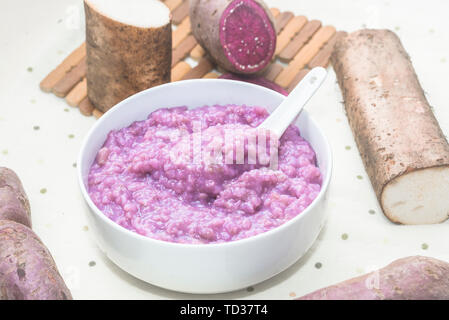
[[27, 269], [239, 35], [128, 48], [412, 278], [404, 150], [14, 204]]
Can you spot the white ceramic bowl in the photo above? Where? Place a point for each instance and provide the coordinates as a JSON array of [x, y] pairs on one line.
[[206, 268]]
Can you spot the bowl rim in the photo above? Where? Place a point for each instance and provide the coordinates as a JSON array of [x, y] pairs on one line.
[[194, 246]]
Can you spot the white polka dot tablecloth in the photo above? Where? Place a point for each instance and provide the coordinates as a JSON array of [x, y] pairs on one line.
[[40, 137]]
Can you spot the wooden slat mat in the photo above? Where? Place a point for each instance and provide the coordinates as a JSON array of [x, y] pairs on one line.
[[301, 45]]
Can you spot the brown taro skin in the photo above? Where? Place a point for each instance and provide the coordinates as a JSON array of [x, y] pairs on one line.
[[14, 204], [124, 59], [394, 127], [411, 278], [27, 269]]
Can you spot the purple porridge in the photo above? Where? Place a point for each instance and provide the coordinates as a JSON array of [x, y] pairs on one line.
[[148, 178]]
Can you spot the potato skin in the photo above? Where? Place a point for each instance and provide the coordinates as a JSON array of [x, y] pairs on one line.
[[393, 125], [14, 203], [27, 269], [123, 59], [411, 278]]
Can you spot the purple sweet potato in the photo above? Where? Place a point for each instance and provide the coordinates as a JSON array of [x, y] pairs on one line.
[[27, 269], [239, 35], [411, 278], [261, 81], [14, 204]]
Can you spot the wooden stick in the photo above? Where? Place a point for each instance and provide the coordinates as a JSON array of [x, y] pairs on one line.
[[211, 75], [63, 87], [86, 107], [275, 12], [322, 58], [273, 71], [180, 12], [290, 30], [183, 49], [179, 71], [282, 19], [181, 32], [172, 4], [65, 66], [77, 94], [299, 40], [305, 55], [314, 46], [197, 53], [203, 67], [301, 74], [97, 113]]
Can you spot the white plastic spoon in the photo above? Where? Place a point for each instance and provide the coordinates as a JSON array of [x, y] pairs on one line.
[[292, 106]]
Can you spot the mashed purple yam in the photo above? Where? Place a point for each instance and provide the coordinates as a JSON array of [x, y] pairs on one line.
[[136, 182]]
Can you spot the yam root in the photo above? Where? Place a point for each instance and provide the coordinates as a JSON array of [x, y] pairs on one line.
[[404, 150], [14, 204], [221, 28], [411, 278], [129, 47], [27, 269]]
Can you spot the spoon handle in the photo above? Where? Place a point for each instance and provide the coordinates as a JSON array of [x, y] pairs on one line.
[[292, 106]]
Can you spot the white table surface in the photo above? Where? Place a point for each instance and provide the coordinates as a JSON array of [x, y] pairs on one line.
[[39, 34]]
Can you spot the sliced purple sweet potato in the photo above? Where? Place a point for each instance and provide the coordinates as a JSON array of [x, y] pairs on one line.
[[261, 81], [239, 35]]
